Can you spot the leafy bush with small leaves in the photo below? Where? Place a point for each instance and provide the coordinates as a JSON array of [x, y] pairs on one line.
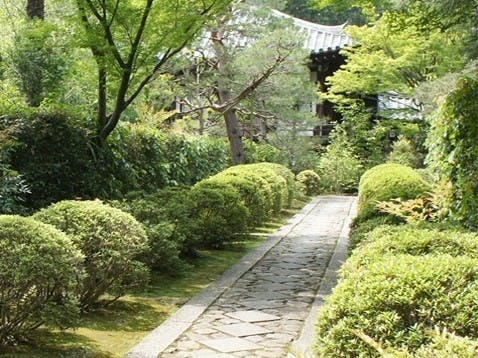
[[360, 229], [339, 169], [435, 206], [110, 240], [396, 300], [308, 182], [220, 213], [385, 182], [39, 267], [52, 152], [402, 153], [280, 180], [252, 196], [413, 240], [165, 215], [13, 192], [262, 152]]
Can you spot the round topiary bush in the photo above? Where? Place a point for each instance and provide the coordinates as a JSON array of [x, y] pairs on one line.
[[39, 266], [308, 182], [219, 212], [397, 301], [385, 182], [110, 240]]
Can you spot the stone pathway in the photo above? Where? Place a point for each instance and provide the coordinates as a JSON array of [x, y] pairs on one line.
[[264, 306]]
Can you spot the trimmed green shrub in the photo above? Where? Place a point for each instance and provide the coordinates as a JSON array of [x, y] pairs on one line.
[[165, 215], [397, 300], [110, 240], [262, 152], [406, 239], [385, 182], [253, 198], [308, 182], [39, 267], [359, 229], [220, 213], [280, 179]]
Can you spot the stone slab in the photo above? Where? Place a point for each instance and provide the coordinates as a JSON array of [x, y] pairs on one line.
[[243, 329], [262, 304], [252, 316], [229, 345]]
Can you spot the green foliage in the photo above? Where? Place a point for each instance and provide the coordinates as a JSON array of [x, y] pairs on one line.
[[416, 241], [13, 191], [262, 152], [110, 240], [220, 213], [359, 229], [155, 159], [435, 206], [52, 152], [280, 179], [338, 168], [37, 61], [402, 153], [452, 146], [385, 182], [308, 182], [38, 270], [169, 227], [396, 300]]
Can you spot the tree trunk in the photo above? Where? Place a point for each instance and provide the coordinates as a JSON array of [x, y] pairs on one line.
[[235, 137], [36, 9], [234, 132]]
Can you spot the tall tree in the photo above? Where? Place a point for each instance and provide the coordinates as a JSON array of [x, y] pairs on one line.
[[132, 41], [243, 52]]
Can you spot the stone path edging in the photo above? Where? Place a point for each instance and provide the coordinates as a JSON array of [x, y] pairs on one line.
[[302, 347], [165, 334]]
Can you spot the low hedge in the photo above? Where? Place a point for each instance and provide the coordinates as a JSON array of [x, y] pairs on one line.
[[396, 301], [110, 240], [238, 198], [280, 179], [165, 215], [385, 182], [220, 213], [308, 182], [406, 239], [38, 270]]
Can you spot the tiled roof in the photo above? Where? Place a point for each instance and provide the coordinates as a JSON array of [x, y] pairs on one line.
[[320, 38]]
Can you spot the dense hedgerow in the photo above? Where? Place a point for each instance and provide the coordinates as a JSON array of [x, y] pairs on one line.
[[165, 215], [110, 240], [385, 182], [53, 154], [238, 198], [308, 182], [39, 267], [397, 300], [220, 213], [411, 240]]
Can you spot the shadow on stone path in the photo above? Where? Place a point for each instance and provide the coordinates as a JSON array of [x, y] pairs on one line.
[[264, 306]]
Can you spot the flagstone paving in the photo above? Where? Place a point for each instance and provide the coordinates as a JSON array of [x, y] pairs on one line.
[[265, 305]]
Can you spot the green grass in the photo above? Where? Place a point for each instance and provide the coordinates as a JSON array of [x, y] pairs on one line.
[[111, 331]]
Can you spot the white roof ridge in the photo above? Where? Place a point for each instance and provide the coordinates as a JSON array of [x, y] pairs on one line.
[[335, 29]]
